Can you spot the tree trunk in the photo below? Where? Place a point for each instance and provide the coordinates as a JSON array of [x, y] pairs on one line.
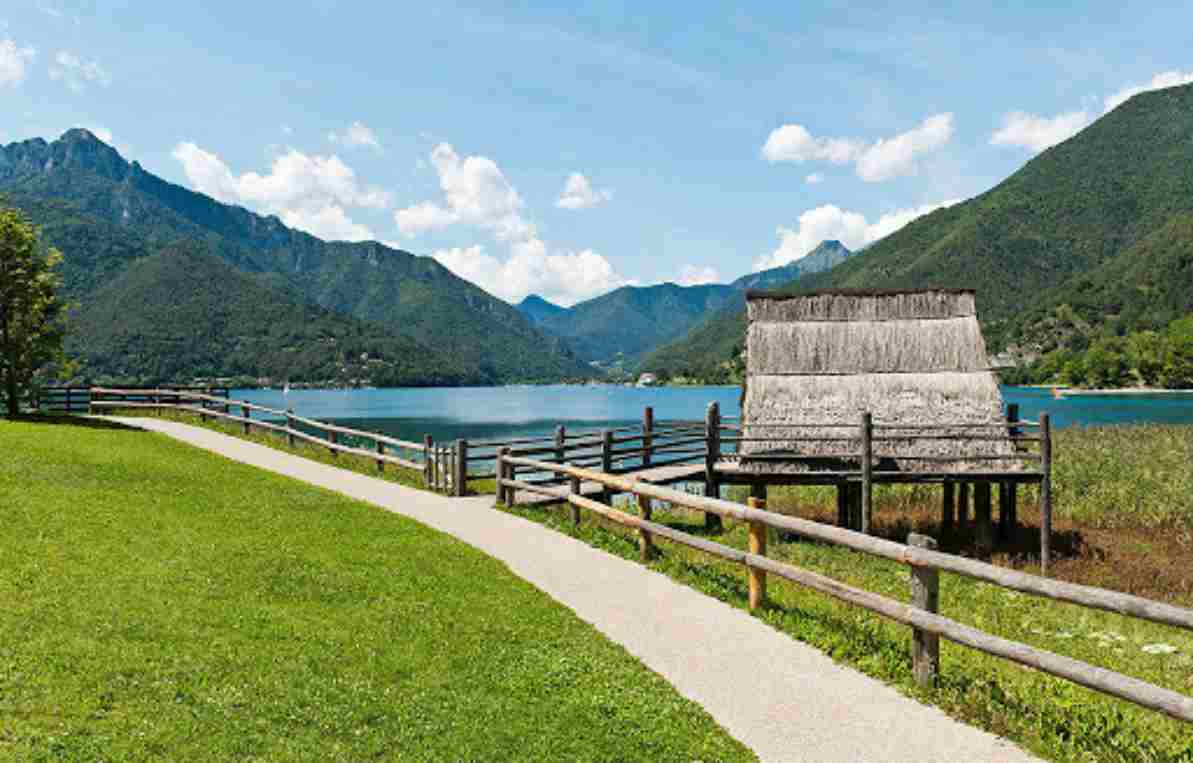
[[10, 371]]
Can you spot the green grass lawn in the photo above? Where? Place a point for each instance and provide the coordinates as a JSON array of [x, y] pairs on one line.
[[1049, 716], [160, 602]]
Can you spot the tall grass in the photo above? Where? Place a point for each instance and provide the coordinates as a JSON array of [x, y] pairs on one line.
[[1118, 476]]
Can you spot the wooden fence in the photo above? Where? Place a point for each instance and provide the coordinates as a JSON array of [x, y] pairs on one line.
[[336, 439], [77, 399], [922, 614]]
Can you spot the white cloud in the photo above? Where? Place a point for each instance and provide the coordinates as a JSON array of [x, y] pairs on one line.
[[76, 72], [695, 275], [891, 157], [884, 159], [793, 143], [422, 217], [13, 61], [578, 193], [476, 193], [307, 192], [1037, 133], [1162, 80], [814, 178], [356, 135], [565, 278], [831, 222]]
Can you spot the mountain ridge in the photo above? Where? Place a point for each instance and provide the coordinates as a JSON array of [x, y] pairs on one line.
[[1048, 240], [416, 296], [631, 321]]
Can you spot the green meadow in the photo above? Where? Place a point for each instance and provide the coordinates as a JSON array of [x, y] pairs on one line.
[[163, 603]]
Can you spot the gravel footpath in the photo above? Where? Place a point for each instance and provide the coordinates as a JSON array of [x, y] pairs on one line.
[[782, 698]]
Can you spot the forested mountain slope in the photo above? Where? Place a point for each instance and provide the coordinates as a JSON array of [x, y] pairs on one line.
[[78, 178], [1090, 236]]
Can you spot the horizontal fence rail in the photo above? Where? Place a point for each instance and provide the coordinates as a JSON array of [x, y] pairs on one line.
[[925, 563], [216, 407]]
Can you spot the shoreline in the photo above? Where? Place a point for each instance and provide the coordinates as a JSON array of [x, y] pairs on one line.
[[1136, 391]]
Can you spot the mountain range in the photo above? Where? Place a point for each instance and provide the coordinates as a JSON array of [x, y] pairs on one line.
[[1093, 236], [171, 284], [632, 320]]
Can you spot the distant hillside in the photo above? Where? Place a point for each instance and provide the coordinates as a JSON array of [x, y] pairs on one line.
[[1090, 237], [538, 309], [633, 320], [457, 325], [829, 254]]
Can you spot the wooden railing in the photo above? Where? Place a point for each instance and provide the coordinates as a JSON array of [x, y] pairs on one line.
[[860, 450], [621, 450], [434, 464], [77, 399], [928, 626]]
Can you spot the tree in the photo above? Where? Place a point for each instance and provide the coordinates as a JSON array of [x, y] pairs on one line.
[[32, 318], [1178, 355], [1145, 352], [1104, 365]]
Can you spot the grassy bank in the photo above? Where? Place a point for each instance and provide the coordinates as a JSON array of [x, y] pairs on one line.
[[164, 603], [1116, 528]]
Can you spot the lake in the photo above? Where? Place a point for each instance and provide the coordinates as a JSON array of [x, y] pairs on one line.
[[478, 413]]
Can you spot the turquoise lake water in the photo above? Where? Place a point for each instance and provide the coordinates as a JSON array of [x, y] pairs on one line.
[[479, 413]]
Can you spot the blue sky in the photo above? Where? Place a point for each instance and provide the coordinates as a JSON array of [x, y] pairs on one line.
[[569, 149]]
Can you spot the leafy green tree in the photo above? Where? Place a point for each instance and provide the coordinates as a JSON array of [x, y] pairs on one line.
[[32, 318], [1178, 355], [1105, 365], [1145, 354]]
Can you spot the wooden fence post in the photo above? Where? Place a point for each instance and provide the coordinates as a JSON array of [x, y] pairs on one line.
[[380, 452], [247, 414], [647, 434], [1045, 493], [575, 488], [645, 541], [867, 469], [843, 504], [1004, 510], [1008, 519], [757, 546], [334, 439], [290, 427], [948, 508], [982, 518], [712, 485], [606, 464], [499, 469], [925, 595], [560, 441], [461, 468], [441, 468], [428, 462]]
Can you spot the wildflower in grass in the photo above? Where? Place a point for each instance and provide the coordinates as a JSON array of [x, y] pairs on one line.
[[1159, 648], [1107, 636]]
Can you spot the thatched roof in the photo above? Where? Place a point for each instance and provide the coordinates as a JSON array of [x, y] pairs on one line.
[[911, 358]]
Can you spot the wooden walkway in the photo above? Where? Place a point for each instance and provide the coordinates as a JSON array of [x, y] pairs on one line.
[[658, 475]]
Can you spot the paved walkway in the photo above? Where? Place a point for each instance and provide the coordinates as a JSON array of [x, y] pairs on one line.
[[783, 699]]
